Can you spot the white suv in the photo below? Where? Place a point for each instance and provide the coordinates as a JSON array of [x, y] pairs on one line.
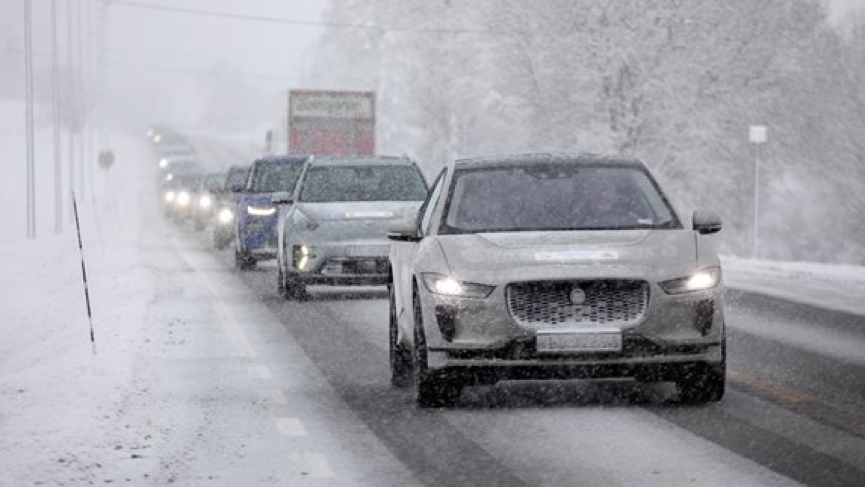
[[553, 266]]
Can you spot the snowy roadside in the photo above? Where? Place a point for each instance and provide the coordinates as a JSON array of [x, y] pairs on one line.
[[834, 287], [59, 402]]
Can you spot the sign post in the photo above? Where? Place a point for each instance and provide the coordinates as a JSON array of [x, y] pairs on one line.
[[758, 135]]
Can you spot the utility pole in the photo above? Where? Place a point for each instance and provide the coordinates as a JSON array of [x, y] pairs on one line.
[[55, 108], [80, 98], [70, 94], [31, 158], [101, 75]]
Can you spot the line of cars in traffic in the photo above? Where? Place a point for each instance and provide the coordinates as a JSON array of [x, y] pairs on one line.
[[533, 266]]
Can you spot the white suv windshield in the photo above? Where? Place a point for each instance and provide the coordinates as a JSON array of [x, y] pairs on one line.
[[555, 196]]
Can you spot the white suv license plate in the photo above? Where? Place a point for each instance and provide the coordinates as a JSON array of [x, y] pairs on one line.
[[579, 341]]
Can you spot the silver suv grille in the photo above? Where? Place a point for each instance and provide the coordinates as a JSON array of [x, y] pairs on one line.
[[601, 302]]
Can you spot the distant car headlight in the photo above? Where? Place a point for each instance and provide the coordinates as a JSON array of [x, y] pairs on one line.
[[701, 280], [225, 216], [169, 196], [205, 201], [183, 198], [447, 286], [257, 211], [169, 177], [157, 139], [163, 163]]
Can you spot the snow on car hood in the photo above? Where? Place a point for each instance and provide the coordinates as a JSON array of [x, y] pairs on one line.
[[552, 239], [645, 254]]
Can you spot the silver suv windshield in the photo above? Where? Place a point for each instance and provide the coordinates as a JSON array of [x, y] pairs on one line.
[[363, 183], [555, 196]]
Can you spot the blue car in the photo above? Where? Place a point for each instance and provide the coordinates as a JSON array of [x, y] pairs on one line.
[[256, 215]]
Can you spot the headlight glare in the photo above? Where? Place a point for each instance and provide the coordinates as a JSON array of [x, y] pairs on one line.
[[447, 286], [302, 254], [225, 216], [205, 201], [169, 196], [259, 211], [183, 198], [163, 163], [700, 280]]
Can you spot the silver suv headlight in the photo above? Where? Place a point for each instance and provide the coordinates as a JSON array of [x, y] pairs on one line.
[[703, 279], [447, 286]]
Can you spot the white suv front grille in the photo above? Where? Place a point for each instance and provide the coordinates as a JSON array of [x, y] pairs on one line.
[[598, 303]]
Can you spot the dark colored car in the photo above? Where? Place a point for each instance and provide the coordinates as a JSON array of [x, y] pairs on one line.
[[225, 204], [204, 199], [184, 188], [255, 214]]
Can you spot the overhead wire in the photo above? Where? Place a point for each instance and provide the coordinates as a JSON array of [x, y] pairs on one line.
[[289, 21]]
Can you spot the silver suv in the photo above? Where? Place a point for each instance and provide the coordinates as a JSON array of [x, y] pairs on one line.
[[553, 267], [333, 230]]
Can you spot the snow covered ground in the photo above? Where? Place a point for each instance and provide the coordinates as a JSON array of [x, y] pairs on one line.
[[59, 402]]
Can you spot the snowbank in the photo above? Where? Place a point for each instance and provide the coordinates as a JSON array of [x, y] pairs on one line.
[[837, 287]]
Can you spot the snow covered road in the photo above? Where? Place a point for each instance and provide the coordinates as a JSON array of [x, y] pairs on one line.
[[792, 415]]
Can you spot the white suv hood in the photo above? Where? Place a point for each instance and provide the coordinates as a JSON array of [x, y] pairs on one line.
[[519, 256]]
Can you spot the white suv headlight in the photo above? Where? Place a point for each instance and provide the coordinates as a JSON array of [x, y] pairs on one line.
[[205, 201], [701, 280], [447, 286]]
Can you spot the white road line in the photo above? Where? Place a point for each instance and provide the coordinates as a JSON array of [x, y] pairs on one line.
[[226, 317], [235, 334], [313, 465], [273, 396], [258, 372], [291, 427]]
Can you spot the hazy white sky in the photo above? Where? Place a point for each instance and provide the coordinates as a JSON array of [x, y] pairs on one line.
[[164, 53], [184, 42]]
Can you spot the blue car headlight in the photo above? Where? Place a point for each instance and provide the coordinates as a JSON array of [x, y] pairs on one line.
[[260, 210]]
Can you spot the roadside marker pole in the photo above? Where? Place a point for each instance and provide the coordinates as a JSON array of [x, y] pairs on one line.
[[84, 276]]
